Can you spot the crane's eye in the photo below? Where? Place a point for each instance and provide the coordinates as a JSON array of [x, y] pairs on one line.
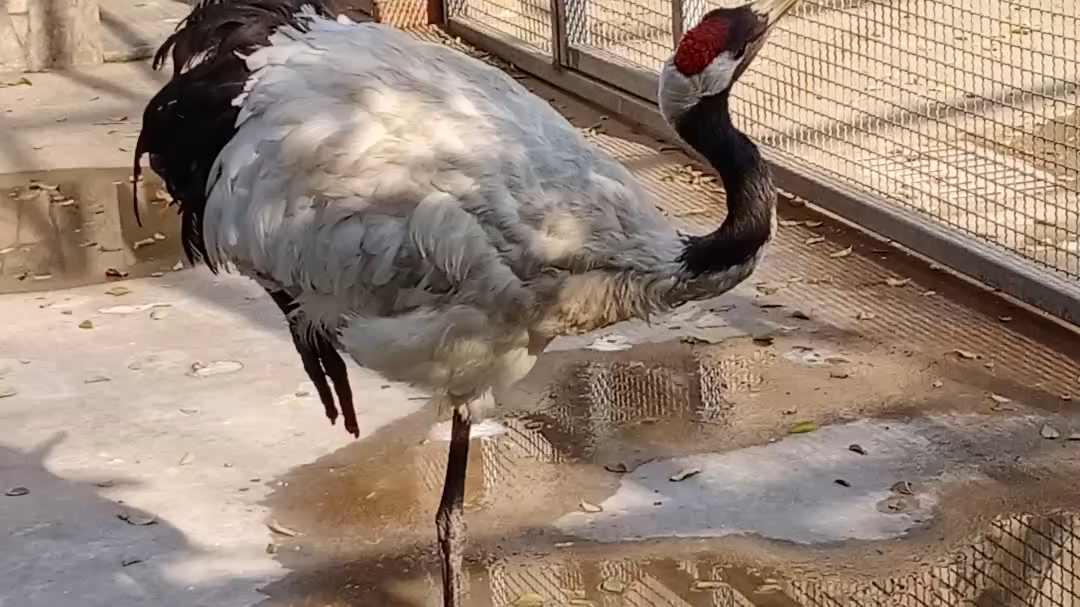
[[739, 53]]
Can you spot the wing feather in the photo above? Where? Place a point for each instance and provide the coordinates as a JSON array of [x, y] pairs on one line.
[[368, 161]]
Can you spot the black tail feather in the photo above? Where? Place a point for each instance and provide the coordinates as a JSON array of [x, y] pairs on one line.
[[186, 125]]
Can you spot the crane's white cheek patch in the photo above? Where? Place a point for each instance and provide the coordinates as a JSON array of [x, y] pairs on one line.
[[788, 490]]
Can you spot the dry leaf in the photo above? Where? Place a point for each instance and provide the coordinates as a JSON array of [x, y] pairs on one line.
[[137, 519], [803, 427], [813, 224], [903, 488], [187, 459], [17, 492], [280, 529], [787, 223], [1049, 432], [695, 340], [6, 392], [814, 240], [841, 253], [707, 585], [800, 315], [24, 81], [937, 383], [86, 324], [613, 586], [966, 355], [997, 398], [529, 599], [96, 379], [856, 448], [684, 474], [897, 282], [114, 273], [589, 507], [118, 291], [864, 315]]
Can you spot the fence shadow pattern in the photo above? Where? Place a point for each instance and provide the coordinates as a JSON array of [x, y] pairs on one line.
[[963, 113]]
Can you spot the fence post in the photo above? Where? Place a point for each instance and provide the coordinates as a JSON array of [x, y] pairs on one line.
[[62, 33], [678, 23]]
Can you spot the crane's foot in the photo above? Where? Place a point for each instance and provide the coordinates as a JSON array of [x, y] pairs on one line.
[[450, 520]]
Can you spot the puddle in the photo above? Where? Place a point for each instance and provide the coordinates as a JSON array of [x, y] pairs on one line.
[[69, 228], [766, 517], [1016, 560]]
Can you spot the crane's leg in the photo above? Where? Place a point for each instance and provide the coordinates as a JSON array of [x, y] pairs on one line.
[[450, 520]]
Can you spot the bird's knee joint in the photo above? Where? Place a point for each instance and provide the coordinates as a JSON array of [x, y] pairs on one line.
[[450, 526]]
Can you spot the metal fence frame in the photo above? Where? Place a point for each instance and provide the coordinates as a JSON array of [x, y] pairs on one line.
[[629, 91]]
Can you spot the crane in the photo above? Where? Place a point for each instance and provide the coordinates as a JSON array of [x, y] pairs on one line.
[[426, 214]]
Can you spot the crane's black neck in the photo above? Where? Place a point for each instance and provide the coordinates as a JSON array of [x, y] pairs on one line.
[[751, 195]]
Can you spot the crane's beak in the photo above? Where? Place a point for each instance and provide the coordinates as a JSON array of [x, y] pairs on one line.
[[768, 13]]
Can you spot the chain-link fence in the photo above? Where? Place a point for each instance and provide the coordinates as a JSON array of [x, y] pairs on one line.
[[962, 116], [965, 112]]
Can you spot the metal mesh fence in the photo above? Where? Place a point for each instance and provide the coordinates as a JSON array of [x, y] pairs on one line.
[[966, 113], [636, 32], [526, 20]]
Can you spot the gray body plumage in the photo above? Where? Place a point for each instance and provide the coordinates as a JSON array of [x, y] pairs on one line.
[[441, 220]]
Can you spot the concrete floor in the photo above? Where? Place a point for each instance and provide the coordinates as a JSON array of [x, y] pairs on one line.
[[112, 420], [109, 421]]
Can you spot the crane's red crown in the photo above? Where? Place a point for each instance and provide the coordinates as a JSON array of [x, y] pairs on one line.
[[701, 45]]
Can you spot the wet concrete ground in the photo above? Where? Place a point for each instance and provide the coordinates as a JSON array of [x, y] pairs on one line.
[[908, 456], [582, 499]]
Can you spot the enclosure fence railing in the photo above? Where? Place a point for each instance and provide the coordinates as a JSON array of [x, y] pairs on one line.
[[950, 127]]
